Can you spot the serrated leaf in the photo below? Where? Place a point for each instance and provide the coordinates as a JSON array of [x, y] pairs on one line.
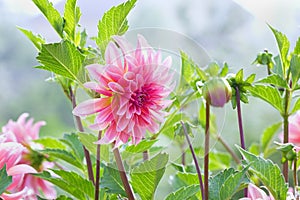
[[283, 45], [62, 58], [63, 155], [296, 106], [5, 180], [183, 193], [71, 16], [111, 181], [70, 182], [295, 69], [269, 174], [216, 182], [187, 71], [140, 147], [52, 15], [73, 142], [232, 184], [146, 176], [113, 22], [275, 80], [52, 143], [267, 136], [269, 94], [37, 40]]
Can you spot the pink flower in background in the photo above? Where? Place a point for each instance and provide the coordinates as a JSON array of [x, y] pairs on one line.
[[133, 87], [10, 155], [255, 193], [23, 132], [294, 129]]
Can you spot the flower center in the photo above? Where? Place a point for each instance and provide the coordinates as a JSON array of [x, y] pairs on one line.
[[138, 98]]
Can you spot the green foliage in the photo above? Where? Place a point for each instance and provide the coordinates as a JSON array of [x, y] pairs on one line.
[[269, 174], [295, 69], [111, 181], [266, 138], [52, 15], [63, 155], [62, 58], [296, 106], [71, 17], [5, 180], [219, 160], [275, 80], [297, 47], [184, 192], [269, 94], [113, 22], [140, 147], [63, 197], [73, 142], [37, 40], [51, 143], [283, 45], [70, 182], [226, 183], [146, 176]]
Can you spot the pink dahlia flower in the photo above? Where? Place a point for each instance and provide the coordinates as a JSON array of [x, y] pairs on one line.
[[294, 130], [133, 86], [255, 193], [23, 132], [10, 155]]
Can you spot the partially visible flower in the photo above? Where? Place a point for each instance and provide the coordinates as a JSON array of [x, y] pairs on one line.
[[10, 155], [133, 88], [217, 91], [23, 132], [294, 129], [255, 193]]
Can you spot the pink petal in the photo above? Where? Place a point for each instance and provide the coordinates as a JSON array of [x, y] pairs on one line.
[[95, 70], [115, 87], [90, 106], [99, 127], [20, 169], [124, 45], [112, 55]]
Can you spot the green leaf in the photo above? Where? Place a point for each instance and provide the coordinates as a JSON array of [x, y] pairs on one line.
[[216, 182], [146, 176], [71, 16], [255, 148], [5, 180], [239, 77], [277, 69], [295, 69], [111, 181], [297, 47], [266, 138], [52, 15], [51, 143], [140, 147], [269, 94], [275, 80], [250, 78], [63, 197], [233, 184], [113, 22], [183, 193], [74, 143], [70, 182], [296, 106], [185, 179], [63, 155], [187, 71], [63, 59], [224, 70], [219, 161], [213, 69], [269, 174], [37, 40], [283, 45]]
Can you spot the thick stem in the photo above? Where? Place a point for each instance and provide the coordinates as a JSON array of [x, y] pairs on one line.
[[97, 184], [239, 114], [86, 152], [286, 131], [230, 151], [295, 176], [195, 160], [206, 151], [122, 172]]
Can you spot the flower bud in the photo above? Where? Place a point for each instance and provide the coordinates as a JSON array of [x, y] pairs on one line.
[[217, 92]]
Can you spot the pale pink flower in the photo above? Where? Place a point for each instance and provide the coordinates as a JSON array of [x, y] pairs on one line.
[[255, 193], [294, 130], [133, 86], [24, 132], [10, 155]]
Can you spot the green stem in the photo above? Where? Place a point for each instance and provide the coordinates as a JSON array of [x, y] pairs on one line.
[[195, 160], [286, 130], [122, 172], [206, 151], [230, 151]]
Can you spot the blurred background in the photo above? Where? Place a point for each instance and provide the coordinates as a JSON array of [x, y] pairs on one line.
[[231, 31]]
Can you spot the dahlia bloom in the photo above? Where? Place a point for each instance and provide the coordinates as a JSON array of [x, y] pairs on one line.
[[133, 86], [10, 155], [23, 133], [294, 129], [255, 193]]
